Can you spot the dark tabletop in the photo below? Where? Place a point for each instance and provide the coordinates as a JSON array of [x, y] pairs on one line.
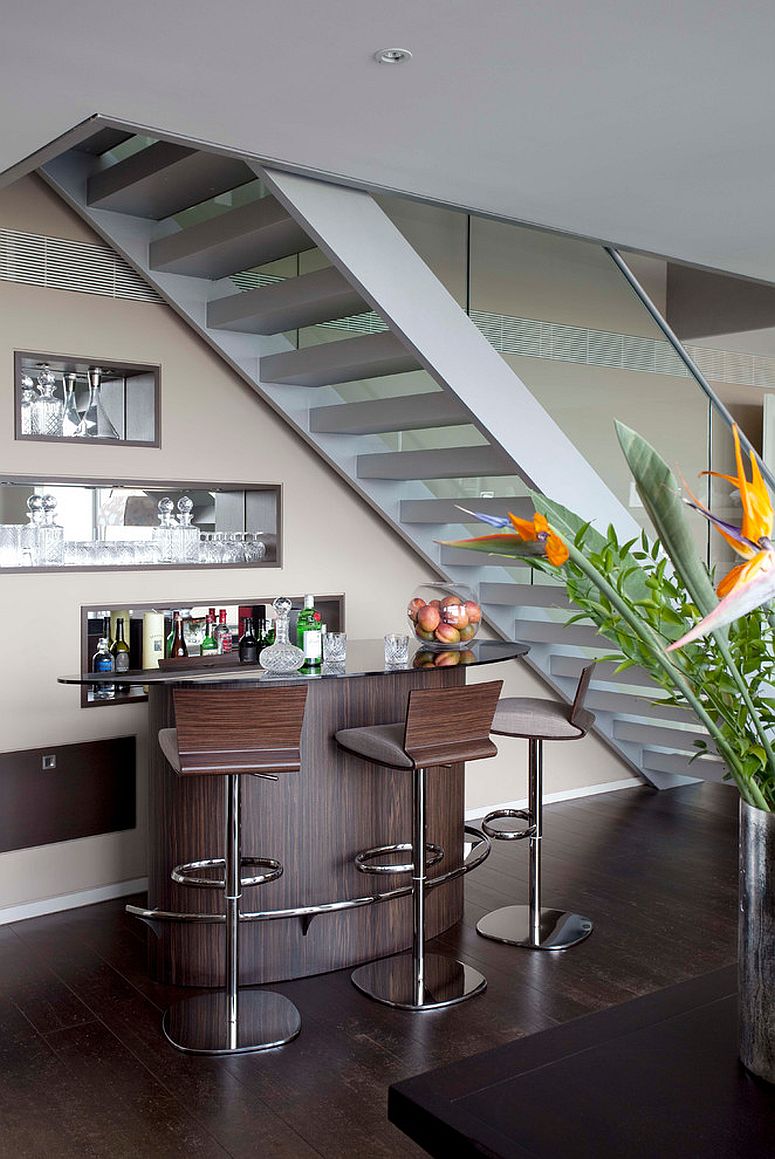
[[655, 1078], [364, 658]]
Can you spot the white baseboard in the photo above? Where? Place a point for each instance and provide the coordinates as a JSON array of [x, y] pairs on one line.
[[564, 795], [63, 901]]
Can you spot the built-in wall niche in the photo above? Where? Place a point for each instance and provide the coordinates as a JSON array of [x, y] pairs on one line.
[[93, 524], [65, 398], [147, 626]]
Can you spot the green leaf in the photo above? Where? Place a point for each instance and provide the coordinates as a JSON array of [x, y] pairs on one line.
[[661, 495]]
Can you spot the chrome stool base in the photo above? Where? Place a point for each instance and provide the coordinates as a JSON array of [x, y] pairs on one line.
[[201, 1025], [512, 925], [393, 982]]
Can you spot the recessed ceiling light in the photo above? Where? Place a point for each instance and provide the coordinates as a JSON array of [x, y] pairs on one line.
[[392, 55]]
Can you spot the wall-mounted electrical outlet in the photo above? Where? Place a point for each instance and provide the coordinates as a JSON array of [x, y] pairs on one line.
[[49, 761]]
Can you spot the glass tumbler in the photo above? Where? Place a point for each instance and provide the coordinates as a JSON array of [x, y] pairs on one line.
[[396, 650], [334, 648]]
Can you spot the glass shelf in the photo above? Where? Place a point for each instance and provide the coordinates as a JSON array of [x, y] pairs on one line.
[[91, 524], [66, 398]]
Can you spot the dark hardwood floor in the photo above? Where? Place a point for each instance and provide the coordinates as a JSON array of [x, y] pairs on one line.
[[85, 1070]]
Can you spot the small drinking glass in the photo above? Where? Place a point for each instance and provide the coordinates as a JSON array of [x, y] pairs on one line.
[[396, 651], [11, 545], [334, 648]]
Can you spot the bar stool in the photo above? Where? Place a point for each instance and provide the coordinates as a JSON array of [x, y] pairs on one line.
[[231, 733], [442, 727], [536, 720]]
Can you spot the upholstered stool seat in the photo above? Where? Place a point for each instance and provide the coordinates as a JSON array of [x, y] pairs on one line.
[[382, 744], [535, 720], [442, 727]]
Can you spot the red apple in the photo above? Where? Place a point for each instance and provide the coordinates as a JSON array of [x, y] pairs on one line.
[[414, 607], [467, 632], [421, 635], [455, 614]]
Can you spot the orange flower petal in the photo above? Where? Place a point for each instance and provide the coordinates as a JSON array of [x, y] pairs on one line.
[[523, 527], [556, 551]]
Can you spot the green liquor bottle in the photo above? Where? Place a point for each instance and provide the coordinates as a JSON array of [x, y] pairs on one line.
[[309, 633], [209, 644]]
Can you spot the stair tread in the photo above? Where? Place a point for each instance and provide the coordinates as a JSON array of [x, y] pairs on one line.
[[164, 179], [251, 235], [103, 140], [408, 412], [460, 557], [320, 296], [630, 704], [660, 735], [604, 673], [557, 632], [525, 595], [347, 360], [705, 768], [440, 463], [443, 511]]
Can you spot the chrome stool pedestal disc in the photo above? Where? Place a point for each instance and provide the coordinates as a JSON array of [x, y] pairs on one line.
[[557, 929], [393, 982], [201, 1025]]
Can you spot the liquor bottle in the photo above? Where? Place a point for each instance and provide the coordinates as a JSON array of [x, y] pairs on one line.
[[120, 648], [260, 628], [178, 643], [260, 622], [248, 649], [102, 661], [223, 634], [308, 633], [153, 639], [209, 644]]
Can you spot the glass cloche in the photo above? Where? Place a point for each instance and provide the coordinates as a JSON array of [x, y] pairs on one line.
[[444, 616]]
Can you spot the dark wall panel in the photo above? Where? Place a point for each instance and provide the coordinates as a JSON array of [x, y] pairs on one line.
[[90, 789]]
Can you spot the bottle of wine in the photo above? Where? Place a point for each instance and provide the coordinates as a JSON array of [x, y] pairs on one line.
[[308, 633], [223, 634], [102, 661], [178, 643], [248, 646], [120, 648], [209, 644]]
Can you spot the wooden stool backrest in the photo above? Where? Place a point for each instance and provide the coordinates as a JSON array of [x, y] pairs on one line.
[[239, 730], [580, 716], [447, 725]]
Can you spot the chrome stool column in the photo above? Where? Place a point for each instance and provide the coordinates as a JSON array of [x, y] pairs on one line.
[[231, 734], [536, 720], [442, 727]]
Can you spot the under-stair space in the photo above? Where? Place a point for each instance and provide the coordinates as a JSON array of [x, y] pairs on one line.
[[315, 298]]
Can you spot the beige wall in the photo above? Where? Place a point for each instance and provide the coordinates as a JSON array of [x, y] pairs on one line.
[[214, 429]]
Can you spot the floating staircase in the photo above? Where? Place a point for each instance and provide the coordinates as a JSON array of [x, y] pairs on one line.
[[373, 363]]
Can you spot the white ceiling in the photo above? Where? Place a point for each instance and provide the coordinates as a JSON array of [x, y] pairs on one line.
[[643, 122]]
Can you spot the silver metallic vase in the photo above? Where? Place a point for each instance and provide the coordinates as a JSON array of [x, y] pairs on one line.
[[756, 941]]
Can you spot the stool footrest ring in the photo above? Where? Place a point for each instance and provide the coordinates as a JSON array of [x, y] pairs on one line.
[[186, 874], [509, 834], [362, 860]]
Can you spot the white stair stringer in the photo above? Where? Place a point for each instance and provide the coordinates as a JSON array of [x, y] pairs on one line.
[[444, 340]]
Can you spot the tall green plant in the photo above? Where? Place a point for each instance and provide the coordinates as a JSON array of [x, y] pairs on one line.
[[645, 597]]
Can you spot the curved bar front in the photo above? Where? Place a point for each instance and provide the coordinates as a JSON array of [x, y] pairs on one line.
[[314, 822]]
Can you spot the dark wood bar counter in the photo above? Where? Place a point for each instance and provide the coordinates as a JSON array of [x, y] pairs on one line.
[[314, 822]]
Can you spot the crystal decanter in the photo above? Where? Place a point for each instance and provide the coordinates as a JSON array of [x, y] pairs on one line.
[[95, 423], [25, 408], [30, 534], [282, 656], [47, 409], [51, 536], [187, 534], [165, 535], [71, 418]]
